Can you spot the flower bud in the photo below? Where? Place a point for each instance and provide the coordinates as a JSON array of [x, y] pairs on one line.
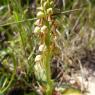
[[45, 4], [51, 3], [40, 14], [49, 11], [40, 8]]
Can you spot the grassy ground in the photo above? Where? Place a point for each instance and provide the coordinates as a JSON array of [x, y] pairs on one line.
[[43, 43]]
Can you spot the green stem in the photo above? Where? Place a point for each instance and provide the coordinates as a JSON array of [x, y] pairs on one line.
[[48, 72], [17, 22], [12, 78]]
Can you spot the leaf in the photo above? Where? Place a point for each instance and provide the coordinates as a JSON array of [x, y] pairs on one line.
[[39, 72], [72, 91]]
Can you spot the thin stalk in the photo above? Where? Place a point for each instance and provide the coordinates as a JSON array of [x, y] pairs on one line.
[[12, 78], [68, 11], [48, 71], [21, 21], [17, 22]]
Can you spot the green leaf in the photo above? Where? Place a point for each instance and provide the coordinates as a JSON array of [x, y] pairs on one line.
[[72, 91]]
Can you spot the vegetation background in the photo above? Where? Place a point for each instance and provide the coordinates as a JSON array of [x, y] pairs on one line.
[[43, 46]]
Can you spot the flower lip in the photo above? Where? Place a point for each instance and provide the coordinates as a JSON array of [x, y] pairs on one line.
[[37, 29], [37, 22], [38, 58], [44, 28], [42, 47]]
